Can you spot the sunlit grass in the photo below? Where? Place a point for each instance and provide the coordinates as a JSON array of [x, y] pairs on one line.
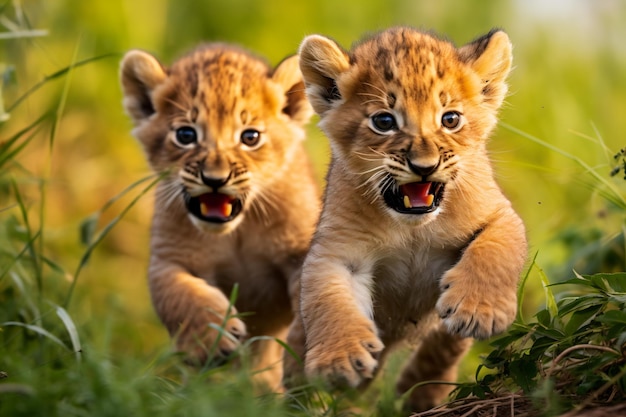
[[78, 337]]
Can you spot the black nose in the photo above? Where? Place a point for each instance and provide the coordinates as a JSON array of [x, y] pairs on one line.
[[214, 182], [423, 171]]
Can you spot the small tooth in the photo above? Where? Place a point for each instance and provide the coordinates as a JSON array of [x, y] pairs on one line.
[[204, 209], [407, 202], [228, 210], [429, 199]]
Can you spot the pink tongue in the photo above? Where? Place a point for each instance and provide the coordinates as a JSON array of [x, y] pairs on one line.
[[216, 205], [417, 194]]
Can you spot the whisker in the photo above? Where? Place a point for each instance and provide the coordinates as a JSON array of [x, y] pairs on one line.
[[177, 105], [265, 203], [381, 153], [376, 168], [386, 183], [168, 193], [380, 90]]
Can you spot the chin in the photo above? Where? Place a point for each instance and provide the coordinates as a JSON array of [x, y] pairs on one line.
[[414, 220], [218, 228]]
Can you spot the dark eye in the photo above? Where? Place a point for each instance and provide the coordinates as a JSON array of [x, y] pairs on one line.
[[250, 137], [383, 123], [186, 135], [451, 120]]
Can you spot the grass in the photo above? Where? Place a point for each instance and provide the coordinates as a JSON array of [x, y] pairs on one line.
[[568, 357], [77, 337]]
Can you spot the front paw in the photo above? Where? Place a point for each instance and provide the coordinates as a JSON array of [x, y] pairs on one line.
[[478, 312], [209, 338], [346, 356]]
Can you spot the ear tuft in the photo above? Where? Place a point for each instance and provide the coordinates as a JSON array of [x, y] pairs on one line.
[[288, 76], [140, 74], [322, 61], [490, 56]]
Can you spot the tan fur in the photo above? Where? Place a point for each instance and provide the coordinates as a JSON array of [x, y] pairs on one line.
[[375, 276], [221, 91]]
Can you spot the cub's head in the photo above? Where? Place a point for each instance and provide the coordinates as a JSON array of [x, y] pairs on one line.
[[408, 114], [220, 123]]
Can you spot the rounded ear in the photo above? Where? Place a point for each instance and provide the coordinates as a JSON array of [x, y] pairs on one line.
[[288, 76], [140, 74], [490, 56], [322, 61]]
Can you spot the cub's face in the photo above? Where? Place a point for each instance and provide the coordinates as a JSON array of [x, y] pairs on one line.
[[220, 124], [408, 114]]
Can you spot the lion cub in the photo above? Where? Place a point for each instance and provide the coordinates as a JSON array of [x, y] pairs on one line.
[[416, 241], [238, 202]]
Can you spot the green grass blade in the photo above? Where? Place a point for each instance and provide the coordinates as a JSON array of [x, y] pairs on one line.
[[7, 153], [53, 76], [19, 256], [31, 240], [105, 231], [37, 329], [48, 168], [290, 351], [221, 332], [551, 305], [88, 226], [35, 33], [128, 189], [71, 330], [520, 290], [615, 193], [63, 99]]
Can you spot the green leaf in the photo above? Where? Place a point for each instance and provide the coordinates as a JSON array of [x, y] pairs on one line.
[[494, 360], [580, 318], [610, 283], [569, 304], [479, 392], [520, 290], [523, 371], [543, 318], [579, 280], [88, 229], [550, 300], [541, 346], [613, 317], [464, 391], [618, 299], [552, 333]]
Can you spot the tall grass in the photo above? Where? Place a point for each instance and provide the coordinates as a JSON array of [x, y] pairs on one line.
[[50, 365], [78, 338]]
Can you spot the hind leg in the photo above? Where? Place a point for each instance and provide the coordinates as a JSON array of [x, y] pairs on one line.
[[436, 359]]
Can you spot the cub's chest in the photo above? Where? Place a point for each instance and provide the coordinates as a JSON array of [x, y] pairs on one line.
[[413, 266], [406, 286]]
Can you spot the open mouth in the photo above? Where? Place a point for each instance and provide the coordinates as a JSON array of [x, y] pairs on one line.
[[414, 197], [214, 207]]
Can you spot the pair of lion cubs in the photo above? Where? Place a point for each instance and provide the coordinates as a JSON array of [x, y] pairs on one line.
[[415, 241]]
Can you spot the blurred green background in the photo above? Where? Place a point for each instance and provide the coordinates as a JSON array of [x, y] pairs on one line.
[[568, 88]]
